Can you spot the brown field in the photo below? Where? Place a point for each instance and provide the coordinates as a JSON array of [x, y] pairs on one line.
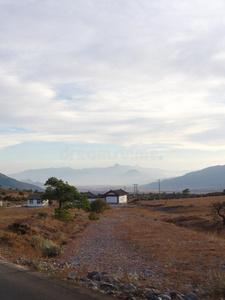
[[193, 213], [20, 198], [15, 243], [179, 240]]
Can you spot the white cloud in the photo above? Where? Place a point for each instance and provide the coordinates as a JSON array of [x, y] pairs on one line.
[[106, 71]]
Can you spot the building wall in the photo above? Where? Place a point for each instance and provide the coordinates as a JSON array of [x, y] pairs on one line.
[[111, 199], [0, 202], [37, 203], [123, 199]]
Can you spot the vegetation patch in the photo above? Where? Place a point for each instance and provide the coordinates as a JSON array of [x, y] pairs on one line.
[[47, 247], [99, 206], [93, 216], [62, 214]]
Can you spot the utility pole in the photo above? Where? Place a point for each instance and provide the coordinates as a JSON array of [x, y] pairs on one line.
[[135, 189], [159, 188]]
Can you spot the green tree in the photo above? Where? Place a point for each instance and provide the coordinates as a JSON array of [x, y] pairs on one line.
[[58, 190], [186, 193], [82, 202]]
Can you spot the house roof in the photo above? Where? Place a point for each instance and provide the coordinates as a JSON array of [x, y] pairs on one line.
[[89, 194], [119, 192], [34, 197]]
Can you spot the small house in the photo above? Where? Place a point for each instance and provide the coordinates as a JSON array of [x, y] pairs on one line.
[[35, 200], [90, 196], [116, 196]]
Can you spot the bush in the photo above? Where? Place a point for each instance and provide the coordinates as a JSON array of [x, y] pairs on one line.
[[47, 247], [8, 198], [83, 203], [63, 214], [99, 206], [93, 216], [217, 285], [42, 215]]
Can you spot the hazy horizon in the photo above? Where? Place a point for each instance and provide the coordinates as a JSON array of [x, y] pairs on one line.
[[93, 83]]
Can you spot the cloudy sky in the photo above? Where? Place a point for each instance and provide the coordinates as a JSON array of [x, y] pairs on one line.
[[88, 83]]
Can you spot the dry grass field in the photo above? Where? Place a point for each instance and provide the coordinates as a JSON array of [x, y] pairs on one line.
[[178, 241], [20, 226], [188, 255], [184, 242]]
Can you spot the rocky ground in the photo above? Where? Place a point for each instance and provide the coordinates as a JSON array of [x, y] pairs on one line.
[[104, 259]]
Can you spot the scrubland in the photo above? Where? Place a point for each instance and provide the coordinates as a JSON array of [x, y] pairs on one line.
[[173, 245]]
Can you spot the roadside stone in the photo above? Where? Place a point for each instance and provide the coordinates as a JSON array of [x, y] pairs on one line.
[[109, 278], [94, 275], [91, 283], [152, 297], [175, 295], [106, 286], [164, 297], [129, 296], [72, 276], [190, 296], [130, 287]]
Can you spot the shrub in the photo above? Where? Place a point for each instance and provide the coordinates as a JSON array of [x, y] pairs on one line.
[[217, 285], [47, 247], [5, 238], [42, 215], [63, 214], [99, 206], [93, 216], [50, 249], [83, 203], [8, 198]]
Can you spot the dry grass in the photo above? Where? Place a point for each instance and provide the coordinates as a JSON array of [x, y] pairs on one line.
[[16, 246], [195, 213], [183, 257]]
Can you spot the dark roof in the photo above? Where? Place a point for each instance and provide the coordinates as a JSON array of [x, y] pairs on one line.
[[119, 192], [89, 194], [34, 197]]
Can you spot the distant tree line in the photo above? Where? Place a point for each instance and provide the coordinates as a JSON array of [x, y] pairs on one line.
[[177, 195]]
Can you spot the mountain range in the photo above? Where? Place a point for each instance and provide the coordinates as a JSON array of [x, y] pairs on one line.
[[205, 180], [7, 182], [113, 175]]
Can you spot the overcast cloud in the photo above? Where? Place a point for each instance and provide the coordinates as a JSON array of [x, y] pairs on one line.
[[114, 72]]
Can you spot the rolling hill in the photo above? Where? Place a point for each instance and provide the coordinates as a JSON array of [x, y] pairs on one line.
[[8, 182], [208, 179]]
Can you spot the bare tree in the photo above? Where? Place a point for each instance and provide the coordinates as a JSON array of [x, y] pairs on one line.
[[219, 208]]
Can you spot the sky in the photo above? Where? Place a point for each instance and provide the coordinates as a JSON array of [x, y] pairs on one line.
[[91, 83]]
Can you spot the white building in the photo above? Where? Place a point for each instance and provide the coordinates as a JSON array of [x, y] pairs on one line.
[[35, 200], [116, 196]]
